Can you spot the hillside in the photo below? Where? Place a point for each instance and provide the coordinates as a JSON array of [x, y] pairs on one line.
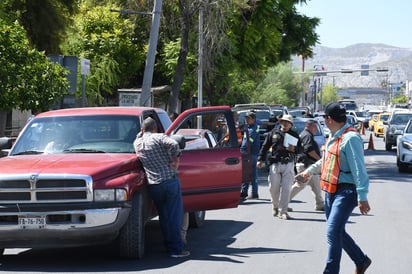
[[397, 60]]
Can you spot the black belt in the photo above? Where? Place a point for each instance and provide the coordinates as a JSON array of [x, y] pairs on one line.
[[349, 185], [282, 162]]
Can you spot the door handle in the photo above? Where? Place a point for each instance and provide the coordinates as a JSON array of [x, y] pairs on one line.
[[232, 161]]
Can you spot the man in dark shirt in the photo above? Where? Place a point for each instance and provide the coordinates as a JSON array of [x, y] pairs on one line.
[[310, 153], [251, 138]]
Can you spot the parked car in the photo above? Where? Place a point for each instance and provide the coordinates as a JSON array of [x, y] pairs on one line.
[[373, 120], [350, 119], [382, 120], [72, 178], [298, 111], [264, 116], [396, 123], [299, 126], [279, 110], [320, 117], [359, 115], [404, 148]]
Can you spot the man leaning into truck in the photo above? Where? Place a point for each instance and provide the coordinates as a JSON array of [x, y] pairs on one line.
[[159, 155]]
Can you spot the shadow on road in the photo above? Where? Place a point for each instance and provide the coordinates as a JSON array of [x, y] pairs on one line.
[[211, 242]]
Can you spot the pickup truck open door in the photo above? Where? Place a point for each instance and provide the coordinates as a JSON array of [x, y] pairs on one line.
[[211, 176]]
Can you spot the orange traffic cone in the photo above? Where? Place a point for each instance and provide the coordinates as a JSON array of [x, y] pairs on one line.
[[370, 145]]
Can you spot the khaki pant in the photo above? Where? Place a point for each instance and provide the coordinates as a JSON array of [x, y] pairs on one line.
[[185, 227], [313, 182], [280, 179]]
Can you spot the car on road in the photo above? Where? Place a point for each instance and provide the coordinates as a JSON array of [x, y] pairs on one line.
[[299, 126], [372, 118], [359, 115], [404, 148], [350, 119], [395, 127], [299, 111], [382, 120], [279, 110], [264, 116]]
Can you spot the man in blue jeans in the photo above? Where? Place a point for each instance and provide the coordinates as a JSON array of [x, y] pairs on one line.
[[251, 138], [345, 182], [159, 155]]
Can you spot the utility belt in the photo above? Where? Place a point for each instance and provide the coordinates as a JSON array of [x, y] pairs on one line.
[[283, 160]]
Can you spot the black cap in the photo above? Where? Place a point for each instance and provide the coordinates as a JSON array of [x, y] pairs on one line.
[[251, 114], [336, 111]]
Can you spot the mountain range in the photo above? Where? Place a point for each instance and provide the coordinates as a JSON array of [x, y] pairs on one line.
[[398, 62]]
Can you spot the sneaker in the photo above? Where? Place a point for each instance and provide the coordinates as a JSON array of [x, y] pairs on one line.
[[243, 196], [284, 216], [320, 208], [364, 267], [182, 254], [275, 212]]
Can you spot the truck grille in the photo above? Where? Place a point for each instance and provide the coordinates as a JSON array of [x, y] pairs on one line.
[[44, 188]]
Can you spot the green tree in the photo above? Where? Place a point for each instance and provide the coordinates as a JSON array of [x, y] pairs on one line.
[[400, 99], [106, 39], [261, 34], [45, 21], [280, 86], [329, 94], [242, 38], [29, 80]]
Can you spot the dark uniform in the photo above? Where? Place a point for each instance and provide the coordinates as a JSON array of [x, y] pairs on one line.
[[304, 160], [281, 169]]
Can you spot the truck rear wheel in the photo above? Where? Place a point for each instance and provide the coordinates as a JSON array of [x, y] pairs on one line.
[[131, 240]]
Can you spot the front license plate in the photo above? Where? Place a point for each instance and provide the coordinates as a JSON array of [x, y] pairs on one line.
[[35, 222]]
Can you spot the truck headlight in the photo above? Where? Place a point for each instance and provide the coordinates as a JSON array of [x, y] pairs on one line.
[[105, 195]]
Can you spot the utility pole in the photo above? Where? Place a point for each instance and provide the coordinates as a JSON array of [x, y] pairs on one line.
[[145, 98], [200, 60]]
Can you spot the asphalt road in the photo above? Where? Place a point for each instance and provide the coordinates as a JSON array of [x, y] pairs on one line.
[[248, 239]]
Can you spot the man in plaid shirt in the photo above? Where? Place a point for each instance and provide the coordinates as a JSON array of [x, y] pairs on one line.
[[159, 155]]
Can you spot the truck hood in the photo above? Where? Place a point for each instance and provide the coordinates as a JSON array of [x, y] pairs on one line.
[[98, 166]]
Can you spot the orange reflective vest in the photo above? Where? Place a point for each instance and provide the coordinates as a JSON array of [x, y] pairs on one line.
[[330, 170]]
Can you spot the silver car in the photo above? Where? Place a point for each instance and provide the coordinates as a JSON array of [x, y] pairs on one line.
[[404, 148]]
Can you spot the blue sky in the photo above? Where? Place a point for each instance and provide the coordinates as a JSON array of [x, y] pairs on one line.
[[347, 22]]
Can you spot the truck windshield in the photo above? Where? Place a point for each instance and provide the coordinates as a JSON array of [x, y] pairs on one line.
[[78, 134]]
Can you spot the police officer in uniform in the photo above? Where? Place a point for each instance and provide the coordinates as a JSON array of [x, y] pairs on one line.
[[281, 159], [252, 138]]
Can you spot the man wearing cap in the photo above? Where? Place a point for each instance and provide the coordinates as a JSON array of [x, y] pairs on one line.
[[345, 182], [281, 159], [310, 153], [251, 138]]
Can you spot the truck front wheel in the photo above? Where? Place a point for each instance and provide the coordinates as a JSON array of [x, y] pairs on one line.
[[131, 240]]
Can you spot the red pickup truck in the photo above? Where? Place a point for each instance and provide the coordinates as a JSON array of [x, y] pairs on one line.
[[72, 177]]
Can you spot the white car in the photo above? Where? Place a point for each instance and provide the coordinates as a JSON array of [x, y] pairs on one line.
[[404, 148]]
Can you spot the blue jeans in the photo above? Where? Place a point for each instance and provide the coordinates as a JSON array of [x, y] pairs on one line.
[[168, 199], [338, 208], [245, 186]]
